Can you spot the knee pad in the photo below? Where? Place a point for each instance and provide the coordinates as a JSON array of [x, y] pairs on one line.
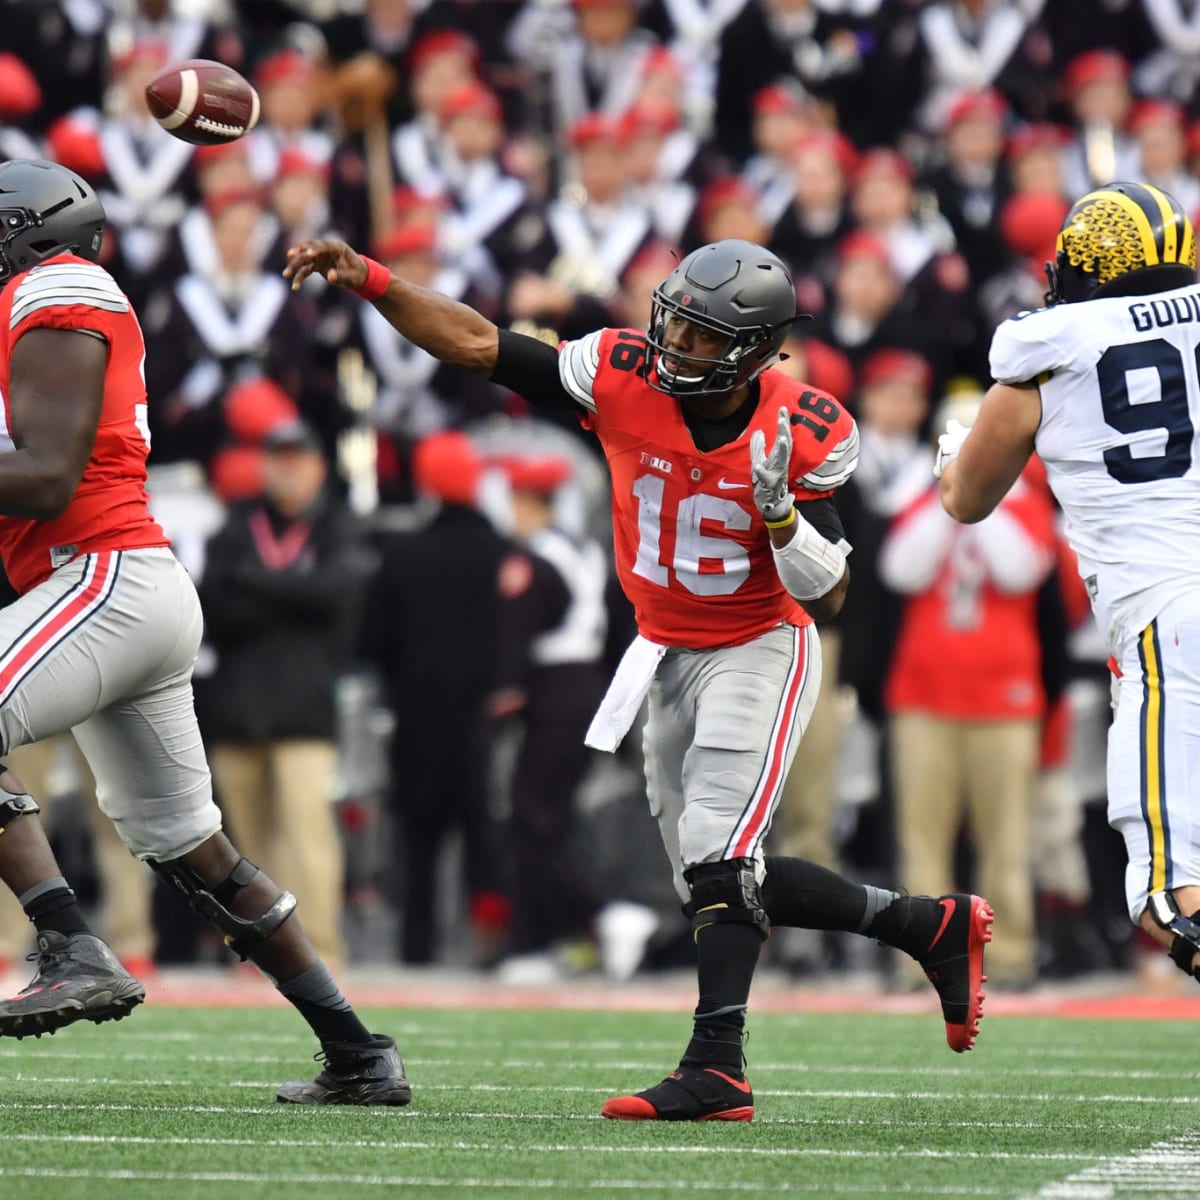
[[1186, 930], [241, 935], [726, 891], [14, 805]]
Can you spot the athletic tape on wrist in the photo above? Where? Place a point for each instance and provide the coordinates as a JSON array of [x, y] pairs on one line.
[[808, 566], [377, 281]]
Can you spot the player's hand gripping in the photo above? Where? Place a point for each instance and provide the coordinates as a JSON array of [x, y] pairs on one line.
[[949, 444], [332, 259], [770, 472]]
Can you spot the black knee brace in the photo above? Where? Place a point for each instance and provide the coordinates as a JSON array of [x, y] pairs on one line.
[[14, 805], [1186, 930], [241, 935], [726, 891]]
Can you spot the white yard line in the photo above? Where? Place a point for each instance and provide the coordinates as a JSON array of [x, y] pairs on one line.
[[975, 1094], [285, 1113], [952, 1070], [677, 1186], [1163, 1171], [549, 1148]]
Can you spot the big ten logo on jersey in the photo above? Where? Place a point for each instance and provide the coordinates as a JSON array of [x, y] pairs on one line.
[[658, 464]]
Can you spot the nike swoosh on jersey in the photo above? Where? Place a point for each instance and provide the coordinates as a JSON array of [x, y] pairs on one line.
[[726, 486]]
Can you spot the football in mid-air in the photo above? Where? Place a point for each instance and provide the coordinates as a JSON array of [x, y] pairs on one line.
[[202, 102]]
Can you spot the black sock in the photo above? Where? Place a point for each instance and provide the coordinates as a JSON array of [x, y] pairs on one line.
[[909, 923], [727, 953], [320, 1002], [52, 907], [802, 894]]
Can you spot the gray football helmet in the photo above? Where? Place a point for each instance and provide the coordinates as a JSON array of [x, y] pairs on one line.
[[45, 210], [734, 288]]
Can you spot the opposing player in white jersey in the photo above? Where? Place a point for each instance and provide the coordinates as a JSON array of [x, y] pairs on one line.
[[101, 642], [1104, 385]]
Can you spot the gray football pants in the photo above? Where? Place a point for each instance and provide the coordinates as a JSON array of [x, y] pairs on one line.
[[105, 648], [721, 731]]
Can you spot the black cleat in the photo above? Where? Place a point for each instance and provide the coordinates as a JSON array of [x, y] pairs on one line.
[[362, 1073], [688, 1094], [953, 962], [78, 978]]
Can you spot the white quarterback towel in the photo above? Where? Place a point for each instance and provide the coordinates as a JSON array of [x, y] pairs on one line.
[[625, 694]]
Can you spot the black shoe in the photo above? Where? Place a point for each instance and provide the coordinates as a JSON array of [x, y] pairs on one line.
[[355, 1073], [953, 962], [688, 1094], [78, 978]]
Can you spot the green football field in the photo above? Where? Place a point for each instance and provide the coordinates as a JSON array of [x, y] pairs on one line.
[[179, 1103]]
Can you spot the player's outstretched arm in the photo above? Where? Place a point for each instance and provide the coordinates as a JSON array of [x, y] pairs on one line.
[[978, 468], [56, 390], [450, 331]]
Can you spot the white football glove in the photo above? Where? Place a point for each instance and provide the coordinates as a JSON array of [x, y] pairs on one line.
[[949, 444], [770, 471]]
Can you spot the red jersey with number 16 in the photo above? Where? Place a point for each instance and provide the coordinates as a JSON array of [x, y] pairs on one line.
[[692, 551], [109, 510]]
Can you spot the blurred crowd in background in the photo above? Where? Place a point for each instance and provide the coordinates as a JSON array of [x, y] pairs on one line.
[[406, 578]]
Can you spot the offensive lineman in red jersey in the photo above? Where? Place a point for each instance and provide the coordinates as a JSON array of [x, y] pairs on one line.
[[727, 552], [102, 641]]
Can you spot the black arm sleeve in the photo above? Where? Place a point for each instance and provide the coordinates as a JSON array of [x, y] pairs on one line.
[[824, 517], [530, 368]]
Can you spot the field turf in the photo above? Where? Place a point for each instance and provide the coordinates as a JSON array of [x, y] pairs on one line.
[[179, 1103]]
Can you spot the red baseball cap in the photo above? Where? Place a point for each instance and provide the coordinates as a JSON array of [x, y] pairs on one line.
[[415, 238], [470, 99], [729, 189], [985, 105], [19, 91], [1093, 66], [1156, 112], [594, 127], [890, 364], [881, 160], [649, 117], [447, 466], [407, 199], [544, 474], [1041, 135], [863, 244], [284, 64], [1029, 223], [827, 368], [839, 147], [778, 98], [226, 198], [74, 141], [443, 41], [202, 156], [295, 161]]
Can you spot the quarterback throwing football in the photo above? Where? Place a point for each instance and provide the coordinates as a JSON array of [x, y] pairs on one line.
[[728, 546], [1104, 384]]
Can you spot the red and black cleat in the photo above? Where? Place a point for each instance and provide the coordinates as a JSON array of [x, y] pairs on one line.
[[688, 1094], [953, 963]]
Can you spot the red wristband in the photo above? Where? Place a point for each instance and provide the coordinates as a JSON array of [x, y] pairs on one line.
[[378, 279]]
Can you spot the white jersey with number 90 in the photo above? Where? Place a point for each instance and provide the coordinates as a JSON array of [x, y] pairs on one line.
[[1120, 388]]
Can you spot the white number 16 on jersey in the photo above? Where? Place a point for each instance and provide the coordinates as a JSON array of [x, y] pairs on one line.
[[692, 545]]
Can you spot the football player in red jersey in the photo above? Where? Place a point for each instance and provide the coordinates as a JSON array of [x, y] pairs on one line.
[[101, 642], [728, 551]]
